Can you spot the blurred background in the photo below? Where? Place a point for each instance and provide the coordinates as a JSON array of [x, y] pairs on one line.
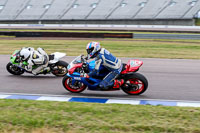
[[133, 12]]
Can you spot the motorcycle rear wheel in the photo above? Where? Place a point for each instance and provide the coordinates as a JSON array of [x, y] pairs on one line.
[[77, 87], [135, 84], [14, 69], [60, 69]]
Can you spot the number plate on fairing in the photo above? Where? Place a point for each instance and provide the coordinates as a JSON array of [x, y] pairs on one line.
[[134, 63]]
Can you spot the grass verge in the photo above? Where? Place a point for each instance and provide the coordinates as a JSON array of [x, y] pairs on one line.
[[6, 36], [149, 48], [45, 116], [197, 22]]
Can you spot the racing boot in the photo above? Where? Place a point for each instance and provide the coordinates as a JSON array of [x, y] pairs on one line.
[[118, 83]]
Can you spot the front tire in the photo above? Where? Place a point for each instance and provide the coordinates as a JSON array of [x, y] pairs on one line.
[[14, 69], [60, 69], [77, 87], [135, 84]]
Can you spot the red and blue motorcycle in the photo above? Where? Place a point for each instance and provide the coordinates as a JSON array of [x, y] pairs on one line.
[[76, 80]]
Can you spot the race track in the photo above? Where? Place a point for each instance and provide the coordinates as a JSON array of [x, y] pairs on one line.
[[169, 79]]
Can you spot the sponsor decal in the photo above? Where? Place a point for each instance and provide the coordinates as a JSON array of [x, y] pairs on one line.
[[77, 78], [132, 63]]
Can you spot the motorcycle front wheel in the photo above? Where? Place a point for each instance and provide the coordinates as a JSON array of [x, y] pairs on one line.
[[75, 87], [14, 69], [60, 69], [135, 84]]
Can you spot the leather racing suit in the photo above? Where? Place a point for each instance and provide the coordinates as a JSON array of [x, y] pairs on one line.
[[113, 64], [39, 58]]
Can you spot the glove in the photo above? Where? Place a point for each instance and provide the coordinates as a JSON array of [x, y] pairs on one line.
[[86, 58]]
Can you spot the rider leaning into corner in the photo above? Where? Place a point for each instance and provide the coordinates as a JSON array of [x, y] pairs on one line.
[[105, 58], [34, 57]]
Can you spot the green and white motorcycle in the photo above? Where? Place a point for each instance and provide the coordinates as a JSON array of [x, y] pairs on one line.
[[55, 66]]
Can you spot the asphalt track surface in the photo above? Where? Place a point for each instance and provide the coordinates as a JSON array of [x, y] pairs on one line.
[[169, 79]]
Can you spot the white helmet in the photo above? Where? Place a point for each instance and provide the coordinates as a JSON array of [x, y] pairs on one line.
[[24, 54], [92, 48]]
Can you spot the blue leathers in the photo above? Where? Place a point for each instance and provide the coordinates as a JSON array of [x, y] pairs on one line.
[[113, 64]]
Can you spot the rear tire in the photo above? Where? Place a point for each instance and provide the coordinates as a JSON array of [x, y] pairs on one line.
[[60, 69], [14, 69], [76, 88], [135, 84]]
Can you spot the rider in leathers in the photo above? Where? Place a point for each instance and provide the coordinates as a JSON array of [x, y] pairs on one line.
[[105, 58], [35, 57]]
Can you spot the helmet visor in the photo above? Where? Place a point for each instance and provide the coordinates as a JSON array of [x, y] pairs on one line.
[[90, 50]]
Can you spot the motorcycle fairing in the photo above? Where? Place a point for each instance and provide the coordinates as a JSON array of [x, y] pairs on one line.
[[74, 67], [14, 59], [77, 77], [56, 57], [132, 66], [102, 70], [93, 82]]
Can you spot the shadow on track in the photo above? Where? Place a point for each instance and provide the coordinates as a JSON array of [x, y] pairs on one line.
[[33, 77]]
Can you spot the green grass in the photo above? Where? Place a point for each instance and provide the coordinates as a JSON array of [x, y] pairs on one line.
[[197, 22], [6, 36], [147, 48], [45, 116]]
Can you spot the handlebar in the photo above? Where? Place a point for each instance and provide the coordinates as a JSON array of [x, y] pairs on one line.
[[84, 60], [85, 64]]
